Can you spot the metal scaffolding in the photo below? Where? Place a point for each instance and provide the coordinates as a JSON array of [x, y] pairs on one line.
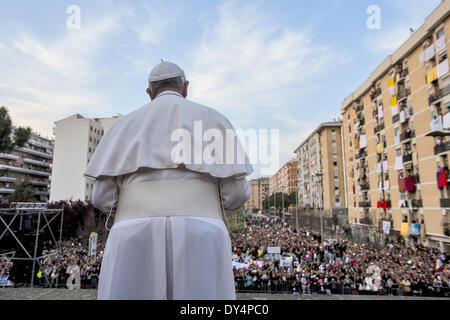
[[45, 217]]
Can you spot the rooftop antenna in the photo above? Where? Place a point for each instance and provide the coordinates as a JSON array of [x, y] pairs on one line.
[[411, 30]]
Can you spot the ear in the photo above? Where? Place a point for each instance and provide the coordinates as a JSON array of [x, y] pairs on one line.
[[149, 92], [185, 89]]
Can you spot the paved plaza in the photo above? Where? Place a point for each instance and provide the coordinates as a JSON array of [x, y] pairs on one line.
[[91, 294]]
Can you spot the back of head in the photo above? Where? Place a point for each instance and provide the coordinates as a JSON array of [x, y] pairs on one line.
[[165, 76]]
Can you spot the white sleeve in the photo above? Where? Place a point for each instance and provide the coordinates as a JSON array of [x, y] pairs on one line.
[[234, 192], [105, 194]]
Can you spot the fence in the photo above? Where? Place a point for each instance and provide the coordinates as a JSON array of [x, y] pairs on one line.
[[290, 286]]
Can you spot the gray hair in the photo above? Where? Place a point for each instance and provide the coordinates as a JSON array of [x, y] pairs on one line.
[[175, 83]]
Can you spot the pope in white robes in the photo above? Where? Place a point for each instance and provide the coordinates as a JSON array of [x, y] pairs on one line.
[[169, 239]]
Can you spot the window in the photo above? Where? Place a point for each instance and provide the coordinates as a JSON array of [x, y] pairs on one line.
[[440, 33], [443, 56]]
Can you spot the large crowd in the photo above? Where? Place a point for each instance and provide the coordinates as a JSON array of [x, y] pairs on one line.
[[51, 272], [307, 265], [304, 264]]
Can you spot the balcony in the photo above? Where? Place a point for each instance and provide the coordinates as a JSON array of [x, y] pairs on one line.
[[407, 158], [361, 122], [8, 179], [36, 162], [364, 204], [395, 118], [9, 156], [441, 148], [6, 190], [416, 203], [407, 135], [375, 93], [40, 144], [365, 187], [35, 152], [378, 128], [445, 203], [41, 193], [367, 221], [40, 183], [361, 154], [434, 97], [23, 170]]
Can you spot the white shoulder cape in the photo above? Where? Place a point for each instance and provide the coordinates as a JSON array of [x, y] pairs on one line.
[[143, 139]]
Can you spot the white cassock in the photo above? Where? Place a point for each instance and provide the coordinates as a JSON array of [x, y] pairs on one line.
[[168, 240]]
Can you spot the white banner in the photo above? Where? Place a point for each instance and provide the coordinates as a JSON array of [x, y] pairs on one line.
[[92, 244], [274, 250], [386, 227]]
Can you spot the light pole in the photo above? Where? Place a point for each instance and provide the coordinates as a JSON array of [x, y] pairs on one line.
[[320, 174], [296, 205]]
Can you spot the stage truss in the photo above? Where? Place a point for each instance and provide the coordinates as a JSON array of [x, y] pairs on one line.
[[45, 217]]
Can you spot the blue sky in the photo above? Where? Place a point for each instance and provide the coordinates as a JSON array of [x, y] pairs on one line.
[[283, 65]]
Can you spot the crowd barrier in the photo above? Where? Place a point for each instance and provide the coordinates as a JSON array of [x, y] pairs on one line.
[[280, 286]]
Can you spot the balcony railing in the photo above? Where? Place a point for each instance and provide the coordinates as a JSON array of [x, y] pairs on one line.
[[9, 156], [365, 186], [6, 190], [35, 152], [407, 135], [23, 170], [440, 148], [361, 154], [407, 157], [439, 94], [375, 93], [416, 203], [8, 179], [41, 193], [378, 128], [367, 221], [395, 118], [40, 183], [445, 203], [36, 162], [364, 204]]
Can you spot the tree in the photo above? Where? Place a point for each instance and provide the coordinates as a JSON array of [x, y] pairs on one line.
[[23, 191], [20, 137]]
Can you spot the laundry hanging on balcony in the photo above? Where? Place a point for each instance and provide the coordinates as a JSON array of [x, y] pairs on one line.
[[442, 68], [429, 53], [440, 44], [398, 163], [446, 122], [380, 111], [380, 147], [392, 91], [431, 75], [402, 116], [386, 185], [401, 184], [441, 178], [385, 166], [394, 110], [410, 184], [394, 101], [391, 81], [356, 142], [362, 141], [436, 124], [353, 114]]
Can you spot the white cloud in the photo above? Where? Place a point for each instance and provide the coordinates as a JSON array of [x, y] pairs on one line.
[[248, 59], [41, 82], [157, 18]]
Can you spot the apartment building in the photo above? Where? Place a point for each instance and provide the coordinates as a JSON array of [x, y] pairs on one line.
[[76, 138], [320, 168], [285, 179], [259, 191], [32, 161], [395, 142]]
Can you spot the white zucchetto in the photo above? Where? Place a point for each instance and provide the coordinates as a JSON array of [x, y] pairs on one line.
[[165, 70]]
